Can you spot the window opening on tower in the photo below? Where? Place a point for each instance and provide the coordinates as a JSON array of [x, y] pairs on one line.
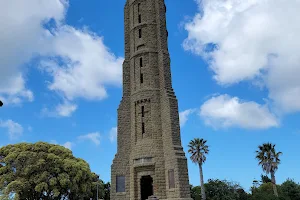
[[140, 18], [139, 5], [141, 62], [140, 33], [142, 78], [143, 111], [143, 128]]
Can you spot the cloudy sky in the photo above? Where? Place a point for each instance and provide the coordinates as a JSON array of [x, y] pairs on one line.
[[235, 68]]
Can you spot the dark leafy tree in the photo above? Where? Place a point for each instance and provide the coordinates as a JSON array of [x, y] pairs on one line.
[[255, 183], [265, 192], [225, 190], [106, 191], [291, 189], [196, 192], [100, 184], [265, 179]]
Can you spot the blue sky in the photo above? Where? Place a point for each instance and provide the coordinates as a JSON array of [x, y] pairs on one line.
[[234, 69]]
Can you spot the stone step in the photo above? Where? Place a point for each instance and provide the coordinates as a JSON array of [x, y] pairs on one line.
[[152, 198]]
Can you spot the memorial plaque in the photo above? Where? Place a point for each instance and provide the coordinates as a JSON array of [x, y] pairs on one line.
[[171, 179], [120, 183]]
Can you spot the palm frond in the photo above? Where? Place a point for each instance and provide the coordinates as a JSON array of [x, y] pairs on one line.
[[267, 157], [198, 150]]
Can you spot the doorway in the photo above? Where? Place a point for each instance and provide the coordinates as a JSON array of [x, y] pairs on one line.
[[146, 187]]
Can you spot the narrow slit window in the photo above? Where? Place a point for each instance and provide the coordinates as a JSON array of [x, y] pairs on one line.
[[143, 111], [143, 128], [139, 5], [141, 62], [142, 78], [140, 33], [140, 18]]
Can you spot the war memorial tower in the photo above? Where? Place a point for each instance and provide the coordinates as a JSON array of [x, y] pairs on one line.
[[150, 159]]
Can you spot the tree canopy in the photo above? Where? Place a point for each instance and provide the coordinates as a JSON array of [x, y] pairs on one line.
[[220, 189], [44, 171]]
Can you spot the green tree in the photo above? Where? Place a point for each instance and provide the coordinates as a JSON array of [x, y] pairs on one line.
[[103, 190], [195, 192], [263, 192], [106, 191], [265, 179], [100, 184], [269, 160], [225, 190], [291, 189], [44, 171], [198, 150]]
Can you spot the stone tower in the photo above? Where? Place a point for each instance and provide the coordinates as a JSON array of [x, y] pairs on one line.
[[150, 159]]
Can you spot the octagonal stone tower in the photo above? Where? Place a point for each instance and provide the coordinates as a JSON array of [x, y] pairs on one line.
[[150, 159]]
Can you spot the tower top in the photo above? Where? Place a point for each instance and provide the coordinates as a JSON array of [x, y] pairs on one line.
[[146, 36], [132, 1]]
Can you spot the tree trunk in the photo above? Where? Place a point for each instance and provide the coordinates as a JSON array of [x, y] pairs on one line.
[[274, 183], [202, 182]]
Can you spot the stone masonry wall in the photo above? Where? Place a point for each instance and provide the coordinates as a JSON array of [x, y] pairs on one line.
[[149, 140]]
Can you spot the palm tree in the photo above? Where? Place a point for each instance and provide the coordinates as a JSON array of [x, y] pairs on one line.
[[198, 150], [269, 160]]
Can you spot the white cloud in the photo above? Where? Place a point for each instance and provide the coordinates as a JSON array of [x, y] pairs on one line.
[[68, 145], [113, 133], [184, 116], [93, 137], [80, 64], [254, 40], [224, 111], [15, 130], [13, 92], [88, 65], [66, 109], [20, 39]]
